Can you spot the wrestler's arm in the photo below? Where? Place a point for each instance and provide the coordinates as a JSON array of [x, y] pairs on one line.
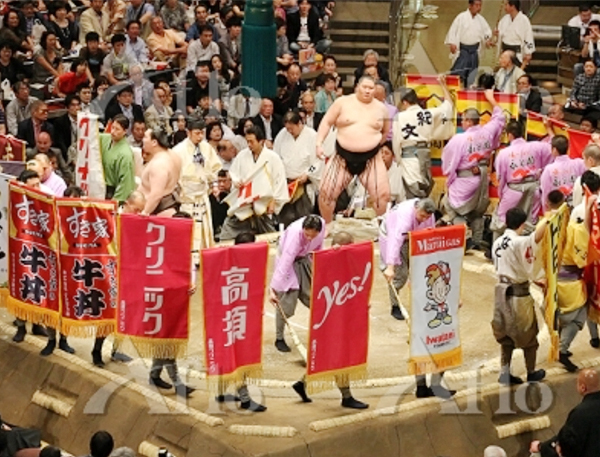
[[159, 178], [387, 124], [327, 122]]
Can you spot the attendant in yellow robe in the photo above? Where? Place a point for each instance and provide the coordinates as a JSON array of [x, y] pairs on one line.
[[572, 289]]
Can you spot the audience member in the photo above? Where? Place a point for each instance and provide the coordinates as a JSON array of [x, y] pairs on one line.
[[530, 96], [136, 46], [304, 31], [29, 129], [19, 109], [584, 19], [166, 44], [581, 422], [508, 74]]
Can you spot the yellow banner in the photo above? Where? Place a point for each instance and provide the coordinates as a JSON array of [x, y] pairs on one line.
[[476, 99], [553, 245]]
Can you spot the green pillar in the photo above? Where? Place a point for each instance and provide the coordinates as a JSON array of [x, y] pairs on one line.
[[259, 48]]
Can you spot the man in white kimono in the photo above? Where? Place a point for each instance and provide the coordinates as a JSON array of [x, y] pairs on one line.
[[296, 144], [514, 323], [468, 32], [414, 128], [515, 33], [258, 176], [199, 167]]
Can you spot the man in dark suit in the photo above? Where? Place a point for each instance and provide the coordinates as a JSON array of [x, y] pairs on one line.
[[292, 88], [270, 123], [583, 423], [312, 119], [124, 105], [29, 129], [312, 35], [532, 96], [67, 125]]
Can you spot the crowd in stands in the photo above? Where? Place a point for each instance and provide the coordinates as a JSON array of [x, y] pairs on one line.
[[159, 64]]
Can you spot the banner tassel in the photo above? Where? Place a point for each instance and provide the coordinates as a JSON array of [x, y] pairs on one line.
[[250, 374], [338, 378], [4, 293], [156, 349], [87, 329], [32, 313]]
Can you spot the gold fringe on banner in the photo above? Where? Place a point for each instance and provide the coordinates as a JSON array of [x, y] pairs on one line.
[[249, 374], [85, 329], [327, 380], [435, 363], [32, 313], [4, 293], [156, 348]]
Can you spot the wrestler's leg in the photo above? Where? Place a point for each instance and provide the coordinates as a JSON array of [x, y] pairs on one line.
[[375, 180], [334, 181]]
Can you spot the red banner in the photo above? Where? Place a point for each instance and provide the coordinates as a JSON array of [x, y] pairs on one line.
[[577, 142], [234, 281], [154, 271], [12, 149], [33, 264], [339, 320], [592, 271], [88, 266]]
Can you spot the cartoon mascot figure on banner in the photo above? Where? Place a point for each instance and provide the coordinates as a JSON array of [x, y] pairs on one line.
[[438, 288]]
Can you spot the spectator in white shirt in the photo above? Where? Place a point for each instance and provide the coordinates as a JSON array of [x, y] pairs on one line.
[[135, 46], [583, 19], [202, 49]]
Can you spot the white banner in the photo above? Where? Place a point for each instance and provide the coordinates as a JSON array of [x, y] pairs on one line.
[[435, 274], [88, 170], [4, 179]]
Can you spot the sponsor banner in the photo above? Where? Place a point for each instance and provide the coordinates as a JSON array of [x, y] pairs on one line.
[[536, 130], [33, 262], [339, 318], [436, 257], [233, 292], [154, 279], [4, 228], [89, 173], [88, 266], [552, 248]]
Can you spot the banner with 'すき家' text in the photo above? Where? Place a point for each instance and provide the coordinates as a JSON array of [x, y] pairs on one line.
[[436, 257], [33, 263], [233, 281], [89, 173], [339, 317], [88, 266], [154, 284]]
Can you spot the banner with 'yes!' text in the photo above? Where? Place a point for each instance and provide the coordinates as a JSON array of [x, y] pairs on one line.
[[339, 318]]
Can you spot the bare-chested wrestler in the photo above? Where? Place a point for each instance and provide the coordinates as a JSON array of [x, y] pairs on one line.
[[362, 126], [161, 174]]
